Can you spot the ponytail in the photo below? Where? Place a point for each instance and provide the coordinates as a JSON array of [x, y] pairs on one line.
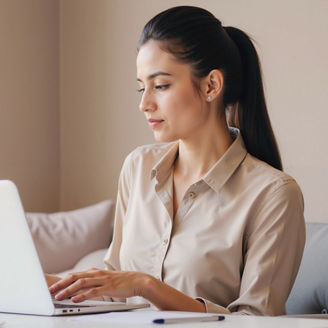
[[197, 37], [250, 113]]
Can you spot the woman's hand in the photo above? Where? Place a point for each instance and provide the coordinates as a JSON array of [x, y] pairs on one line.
[[95, 282]]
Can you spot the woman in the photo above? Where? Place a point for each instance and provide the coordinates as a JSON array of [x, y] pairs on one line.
[[205, 220]]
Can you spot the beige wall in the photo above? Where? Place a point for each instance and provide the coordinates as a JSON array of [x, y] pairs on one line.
[[99, 115], [99, 118], [29, 117]]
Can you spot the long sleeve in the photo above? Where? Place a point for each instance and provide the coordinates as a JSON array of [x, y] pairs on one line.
[[112, 260], [112, 257], [273, 250]]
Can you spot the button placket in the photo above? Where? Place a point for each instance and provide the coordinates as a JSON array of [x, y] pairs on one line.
[[191, 195], [189, 198]]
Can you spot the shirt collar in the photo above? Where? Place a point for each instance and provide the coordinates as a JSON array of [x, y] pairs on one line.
[[162, 168], [220, 172]]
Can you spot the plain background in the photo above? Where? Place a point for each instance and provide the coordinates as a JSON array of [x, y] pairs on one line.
[[69, 107]]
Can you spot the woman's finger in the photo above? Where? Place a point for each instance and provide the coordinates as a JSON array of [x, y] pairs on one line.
[[70, 279], [62, 283], [91, 293], [77, 286]]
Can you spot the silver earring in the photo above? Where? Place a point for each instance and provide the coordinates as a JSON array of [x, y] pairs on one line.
[[209, 98]]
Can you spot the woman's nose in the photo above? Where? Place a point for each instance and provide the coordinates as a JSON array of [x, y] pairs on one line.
[[147, 103]]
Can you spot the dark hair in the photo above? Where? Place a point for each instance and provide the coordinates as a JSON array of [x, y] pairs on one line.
[[197, 37]]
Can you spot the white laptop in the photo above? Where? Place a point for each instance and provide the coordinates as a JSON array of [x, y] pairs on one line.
[[23, 288]]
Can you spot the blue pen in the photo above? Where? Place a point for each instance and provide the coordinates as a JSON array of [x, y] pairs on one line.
[[189, 319]]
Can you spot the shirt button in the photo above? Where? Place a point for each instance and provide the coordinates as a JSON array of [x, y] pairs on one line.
[[165, 241], [191, 195]]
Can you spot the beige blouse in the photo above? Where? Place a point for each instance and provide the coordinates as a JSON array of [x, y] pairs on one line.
[[236, 240]]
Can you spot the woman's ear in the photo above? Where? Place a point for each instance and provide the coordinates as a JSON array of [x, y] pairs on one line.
[[212, 85]]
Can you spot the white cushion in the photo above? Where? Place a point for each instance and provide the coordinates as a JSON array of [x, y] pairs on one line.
[[92, 260], [63, 238]]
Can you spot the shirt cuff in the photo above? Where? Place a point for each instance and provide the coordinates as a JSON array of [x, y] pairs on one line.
[[212, 307]]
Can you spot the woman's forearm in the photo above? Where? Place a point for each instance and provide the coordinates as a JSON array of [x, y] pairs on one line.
[[167, 298], [123, 284]]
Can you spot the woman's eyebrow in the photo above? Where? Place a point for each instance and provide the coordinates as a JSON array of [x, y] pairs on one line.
[[152, 76]]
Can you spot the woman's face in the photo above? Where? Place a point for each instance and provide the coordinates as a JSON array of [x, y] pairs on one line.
[[173, 107]]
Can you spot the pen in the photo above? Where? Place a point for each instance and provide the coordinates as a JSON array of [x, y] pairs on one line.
[[189, 319]]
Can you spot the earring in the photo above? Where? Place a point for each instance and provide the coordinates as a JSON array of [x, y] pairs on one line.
[[209, 98]]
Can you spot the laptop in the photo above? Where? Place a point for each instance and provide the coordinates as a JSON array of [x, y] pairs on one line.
[[23, 287]]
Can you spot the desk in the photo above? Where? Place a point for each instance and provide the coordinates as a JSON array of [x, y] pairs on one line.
[[231, 321]]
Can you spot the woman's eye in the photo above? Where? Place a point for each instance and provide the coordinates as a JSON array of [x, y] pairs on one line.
[[162, 86], [157, 87]]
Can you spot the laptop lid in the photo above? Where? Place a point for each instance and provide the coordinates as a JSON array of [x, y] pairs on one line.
[[23, 288]]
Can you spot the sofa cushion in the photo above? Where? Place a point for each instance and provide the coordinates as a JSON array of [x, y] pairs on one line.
[[63, 238], [310, 291], [94, 259]]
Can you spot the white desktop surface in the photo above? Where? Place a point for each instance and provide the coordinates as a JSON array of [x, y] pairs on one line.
[[231, 321]]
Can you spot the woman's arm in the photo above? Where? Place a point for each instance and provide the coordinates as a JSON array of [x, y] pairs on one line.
[[274, 246], [167, 298], [94, 283]]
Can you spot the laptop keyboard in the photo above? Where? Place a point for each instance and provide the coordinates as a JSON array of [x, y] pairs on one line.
[[63, 306]]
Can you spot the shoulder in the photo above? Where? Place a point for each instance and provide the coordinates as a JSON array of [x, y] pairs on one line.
[[151, 151], [147, 155], [269, 185], [267, 177], [277, 197]]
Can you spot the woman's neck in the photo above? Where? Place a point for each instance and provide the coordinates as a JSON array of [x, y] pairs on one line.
[[199, 153]]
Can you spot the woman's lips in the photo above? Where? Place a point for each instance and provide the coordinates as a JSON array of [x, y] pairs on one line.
[[154, 123]]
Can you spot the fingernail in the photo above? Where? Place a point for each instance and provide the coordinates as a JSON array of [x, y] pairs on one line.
[[76, 299], [59, 296]]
